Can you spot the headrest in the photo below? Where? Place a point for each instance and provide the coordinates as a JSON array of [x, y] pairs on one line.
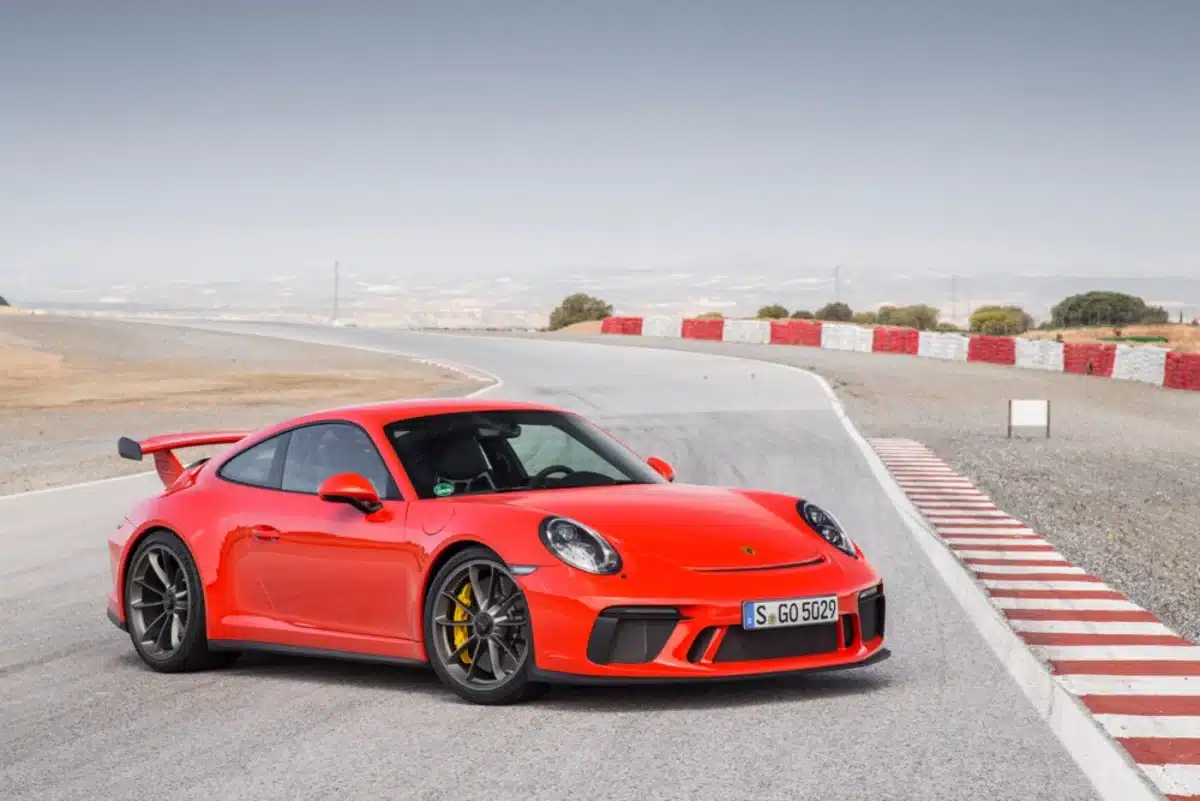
[[461, 459]]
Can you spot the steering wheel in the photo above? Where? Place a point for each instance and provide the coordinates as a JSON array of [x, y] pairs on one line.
[[540, 479]]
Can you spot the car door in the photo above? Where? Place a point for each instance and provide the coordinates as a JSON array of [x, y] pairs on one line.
[[248, 518], [334, 568]]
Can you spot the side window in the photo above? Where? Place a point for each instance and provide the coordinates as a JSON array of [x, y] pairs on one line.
[[253, 466], [540, 446], [319, 451]]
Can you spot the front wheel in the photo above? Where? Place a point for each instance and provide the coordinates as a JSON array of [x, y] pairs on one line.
[[477, 631]]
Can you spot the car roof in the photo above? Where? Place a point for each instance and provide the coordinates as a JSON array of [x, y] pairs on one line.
[[376, 415]]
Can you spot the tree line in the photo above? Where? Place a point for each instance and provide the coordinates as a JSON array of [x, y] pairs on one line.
[[919, 316], [1086, 309]]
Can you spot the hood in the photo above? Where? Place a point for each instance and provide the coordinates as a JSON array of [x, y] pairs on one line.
[[698, 527]]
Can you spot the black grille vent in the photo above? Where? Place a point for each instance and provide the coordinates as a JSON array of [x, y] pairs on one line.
[[871, 615], [631, 635], [740, 645], [701, 643]]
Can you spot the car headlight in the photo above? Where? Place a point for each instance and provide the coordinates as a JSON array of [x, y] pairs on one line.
[[579, 546], [828, 527]]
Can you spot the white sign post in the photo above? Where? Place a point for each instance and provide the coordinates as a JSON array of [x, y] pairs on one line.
[[1028, 414]]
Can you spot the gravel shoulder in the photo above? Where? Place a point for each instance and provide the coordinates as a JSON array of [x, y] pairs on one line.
[[1116, 488], [69, 387]]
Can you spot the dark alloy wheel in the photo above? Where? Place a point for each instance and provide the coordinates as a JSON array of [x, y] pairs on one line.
[[477, 631], [164, 607]]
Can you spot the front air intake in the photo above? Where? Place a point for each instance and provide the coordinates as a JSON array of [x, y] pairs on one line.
[[741, 645], [631, 635]]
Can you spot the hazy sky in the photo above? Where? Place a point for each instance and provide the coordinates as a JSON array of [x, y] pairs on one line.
[[262, 138]]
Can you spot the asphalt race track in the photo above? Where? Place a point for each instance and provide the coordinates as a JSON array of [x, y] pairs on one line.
[[82, 719]]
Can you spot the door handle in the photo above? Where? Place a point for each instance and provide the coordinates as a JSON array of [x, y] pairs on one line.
[[265, 533]]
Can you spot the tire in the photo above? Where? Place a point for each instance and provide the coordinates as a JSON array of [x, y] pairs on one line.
[[168, 646], [462, 656]]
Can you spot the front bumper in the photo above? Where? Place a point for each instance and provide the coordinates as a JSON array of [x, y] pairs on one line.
[[554, 677], [116, 620], [588, 639]]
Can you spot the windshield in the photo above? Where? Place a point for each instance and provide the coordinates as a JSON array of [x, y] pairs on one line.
[[503, 451]]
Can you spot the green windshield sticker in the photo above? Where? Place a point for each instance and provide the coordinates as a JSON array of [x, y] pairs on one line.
[[443, 489]]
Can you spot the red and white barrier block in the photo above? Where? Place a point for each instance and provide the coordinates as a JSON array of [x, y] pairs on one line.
[[756, 332], [839, 336], [631, 326], [1121, 362], [662, 326], [1138, 679], [1039, 354], [936, 345]]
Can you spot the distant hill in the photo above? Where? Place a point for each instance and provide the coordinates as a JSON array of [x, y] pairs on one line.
[[487, 299]]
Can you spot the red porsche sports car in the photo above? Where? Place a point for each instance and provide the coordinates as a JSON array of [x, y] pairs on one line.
[[506, 545]]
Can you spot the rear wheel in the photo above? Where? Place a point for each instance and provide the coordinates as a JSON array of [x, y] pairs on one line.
[[164, 607], [477, 630]]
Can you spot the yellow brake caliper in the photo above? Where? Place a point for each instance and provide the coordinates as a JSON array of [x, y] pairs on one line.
[[460, 632]]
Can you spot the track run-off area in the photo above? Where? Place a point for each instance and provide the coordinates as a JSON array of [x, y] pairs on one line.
[[944, 718]]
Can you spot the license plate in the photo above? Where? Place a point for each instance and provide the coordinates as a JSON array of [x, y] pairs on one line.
[[789, 612]]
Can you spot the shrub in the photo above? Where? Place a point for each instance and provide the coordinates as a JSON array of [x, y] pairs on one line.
[[802, 314], [866, 318], [1155, 315], [1105, 308], [579, 308], [1000, 320], [772, 312], [3, 302], [919, 316], [835, 312], [713, 315]]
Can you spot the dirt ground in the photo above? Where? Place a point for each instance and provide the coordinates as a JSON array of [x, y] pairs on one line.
[[33, 379], [586, 327], [69, 387]]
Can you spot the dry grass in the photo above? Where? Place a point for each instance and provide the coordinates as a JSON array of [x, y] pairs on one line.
[[1184, 338]]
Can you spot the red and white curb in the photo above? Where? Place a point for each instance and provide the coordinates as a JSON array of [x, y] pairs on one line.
[[1138, 678]]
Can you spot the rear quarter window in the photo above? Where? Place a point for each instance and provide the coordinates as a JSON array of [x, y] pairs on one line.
[[253, 466]]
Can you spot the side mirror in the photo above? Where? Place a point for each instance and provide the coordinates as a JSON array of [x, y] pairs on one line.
[[662, 468], [353, 489]]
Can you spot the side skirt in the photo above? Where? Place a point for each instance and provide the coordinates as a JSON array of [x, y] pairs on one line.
[[314, 653]]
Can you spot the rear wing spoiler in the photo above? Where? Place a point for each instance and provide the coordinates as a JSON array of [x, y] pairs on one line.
[[163, 447]]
